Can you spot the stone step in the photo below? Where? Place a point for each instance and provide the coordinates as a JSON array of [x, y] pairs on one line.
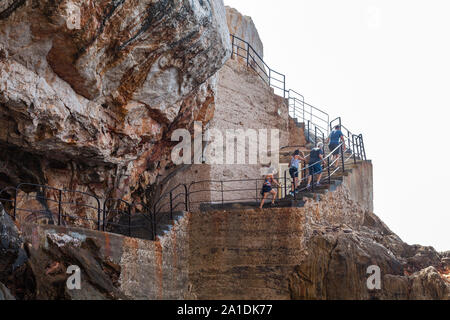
[[279, 203]]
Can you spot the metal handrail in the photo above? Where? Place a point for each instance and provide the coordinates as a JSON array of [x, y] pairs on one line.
[[102, 220], [315, 117], [256, 62]]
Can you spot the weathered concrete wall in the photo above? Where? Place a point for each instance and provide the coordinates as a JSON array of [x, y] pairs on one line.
[[360, 185], [145, 269], [245, 254]]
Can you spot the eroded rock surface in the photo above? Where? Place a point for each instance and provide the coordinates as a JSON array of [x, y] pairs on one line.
[[90, 91], [338, 260], [243, 27], [10, 243]]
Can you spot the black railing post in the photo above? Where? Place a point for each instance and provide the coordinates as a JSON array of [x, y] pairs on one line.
[[315, 136], [99, 215], [294, 109], [348, 138], [303, 109], [295, 187], [353, 148], [357, 146], [329, 172], [309, 138], [59, 207], [186, 197], [104, 215], [285, 184], [363, 148], [15, 205], [342, 157], [248, 54], [154, 219]]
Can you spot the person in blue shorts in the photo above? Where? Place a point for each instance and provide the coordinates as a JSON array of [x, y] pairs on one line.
[[336, 137], [315, 164], [294, 169]]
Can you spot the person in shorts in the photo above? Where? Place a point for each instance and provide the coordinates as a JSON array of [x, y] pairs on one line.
[[335, 139], [267, 189], [315, 164], [294, 169]]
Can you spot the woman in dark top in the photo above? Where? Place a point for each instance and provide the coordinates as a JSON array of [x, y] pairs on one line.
[[315, 164], [267, 189]]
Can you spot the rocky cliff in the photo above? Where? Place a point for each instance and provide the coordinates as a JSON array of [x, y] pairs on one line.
[[244, 28], [90, 91]]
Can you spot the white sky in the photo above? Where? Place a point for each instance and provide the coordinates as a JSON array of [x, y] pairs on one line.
[[384, 66]]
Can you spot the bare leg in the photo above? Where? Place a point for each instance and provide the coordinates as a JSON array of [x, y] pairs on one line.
[[294, 185], [262, 201], [320, 177], [274, 196]]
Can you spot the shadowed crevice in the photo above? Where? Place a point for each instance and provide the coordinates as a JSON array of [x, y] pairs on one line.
[[13, 7]]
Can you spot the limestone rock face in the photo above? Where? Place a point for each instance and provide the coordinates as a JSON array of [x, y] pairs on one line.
[[244, 28], [10, 243], [92, 90], [338, 260]]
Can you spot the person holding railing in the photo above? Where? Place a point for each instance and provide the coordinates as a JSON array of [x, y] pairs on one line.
[[267, 189], [315, 164], [294, 169], [335, 138]]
